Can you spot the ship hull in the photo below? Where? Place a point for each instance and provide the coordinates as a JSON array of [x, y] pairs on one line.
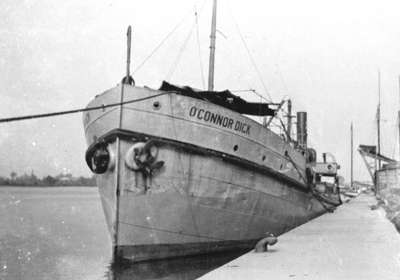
[[207, 196]]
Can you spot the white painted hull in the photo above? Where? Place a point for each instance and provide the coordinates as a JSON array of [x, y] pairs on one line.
[[220, 188]]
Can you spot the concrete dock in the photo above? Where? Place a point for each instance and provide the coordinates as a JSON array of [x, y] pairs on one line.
[[354, 242]]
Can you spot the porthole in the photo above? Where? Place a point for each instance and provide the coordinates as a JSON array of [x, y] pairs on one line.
[[263, 157], [156, 105], [235, 148]]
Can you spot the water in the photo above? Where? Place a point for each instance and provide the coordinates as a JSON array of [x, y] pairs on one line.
[[60, 233]]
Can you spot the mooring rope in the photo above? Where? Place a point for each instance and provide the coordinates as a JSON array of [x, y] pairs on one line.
[[74, 111]]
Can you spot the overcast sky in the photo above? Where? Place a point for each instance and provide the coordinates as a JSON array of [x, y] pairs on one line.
[[57, 55]]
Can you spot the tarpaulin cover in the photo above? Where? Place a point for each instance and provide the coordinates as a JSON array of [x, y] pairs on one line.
[[223, 98]]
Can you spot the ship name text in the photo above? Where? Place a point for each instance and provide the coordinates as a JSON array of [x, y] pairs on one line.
[[220, 120]]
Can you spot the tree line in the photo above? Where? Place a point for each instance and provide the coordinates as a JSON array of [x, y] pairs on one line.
[[60, 180]]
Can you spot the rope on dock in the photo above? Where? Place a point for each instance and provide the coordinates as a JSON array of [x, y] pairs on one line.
[[59, 113]]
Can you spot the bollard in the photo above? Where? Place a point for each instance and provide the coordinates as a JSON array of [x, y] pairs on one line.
[[262, 245]]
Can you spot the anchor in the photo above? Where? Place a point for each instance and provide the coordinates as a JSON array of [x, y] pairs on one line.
[[142, 157]]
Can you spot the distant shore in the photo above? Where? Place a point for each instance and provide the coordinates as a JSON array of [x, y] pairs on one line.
[[61, 180], [47, 186]]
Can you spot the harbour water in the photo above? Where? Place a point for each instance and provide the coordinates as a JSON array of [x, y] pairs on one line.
[[60, 233]]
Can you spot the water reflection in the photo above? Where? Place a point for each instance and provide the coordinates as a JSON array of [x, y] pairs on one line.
[[179, 268], [60, 233]]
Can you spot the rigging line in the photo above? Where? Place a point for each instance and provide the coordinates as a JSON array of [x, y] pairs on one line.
[[296, 168], [251, 58], [181, 50], [241, 90], [278, 69], [74, 111], [161, 43], [176, 62], [282, 78], [276, 112], [199, 49], [260, 95], [253, 91]]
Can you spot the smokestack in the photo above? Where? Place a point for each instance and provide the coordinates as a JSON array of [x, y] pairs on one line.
[[289, 119], [302, 129]]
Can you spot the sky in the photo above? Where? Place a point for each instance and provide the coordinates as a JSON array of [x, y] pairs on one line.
[[325, 56]]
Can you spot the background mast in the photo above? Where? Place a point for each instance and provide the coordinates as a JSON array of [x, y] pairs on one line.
[[398, 118], [378, 118], [351, 155]]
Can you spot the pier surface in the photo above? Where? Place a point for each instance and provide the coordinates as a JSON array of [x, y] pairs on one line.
[[354, 242]]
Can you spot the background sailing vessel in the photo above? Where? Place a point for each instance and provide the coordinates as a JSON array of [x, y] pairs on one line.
[[383, 170], [183, 171]]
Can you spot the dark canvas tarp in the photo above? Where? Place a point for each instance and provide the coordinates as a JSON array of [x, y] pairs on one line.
[[223, 98]]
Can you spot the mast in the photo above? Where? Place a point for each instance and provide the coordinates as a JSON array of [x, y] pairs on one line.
[[128, 53], [351, 155], [125, 81], [378, 118], [212, 48], [398, 118]]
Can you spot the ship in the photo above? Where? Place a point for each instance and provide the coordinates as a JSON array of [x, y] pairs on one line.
[[182, 171]]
